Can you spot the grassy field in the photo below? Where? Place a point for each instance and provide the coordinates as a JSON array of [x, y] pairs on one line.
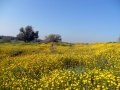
[[33, 66]]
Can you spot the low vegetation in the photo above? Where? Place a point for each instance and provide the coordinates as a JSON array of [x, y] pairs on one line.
[[33, 66]]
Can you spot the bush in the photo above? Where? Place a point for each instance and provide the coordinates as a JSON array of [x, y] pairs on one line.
[[6, 39]]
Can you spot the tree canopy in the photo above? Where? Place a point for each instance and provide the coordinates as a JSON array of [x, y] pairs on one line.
[[27, 34]]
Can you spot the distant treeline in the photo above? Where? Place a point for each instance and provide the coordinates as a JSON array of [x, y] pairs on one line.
[[12, 38], [9, 37]]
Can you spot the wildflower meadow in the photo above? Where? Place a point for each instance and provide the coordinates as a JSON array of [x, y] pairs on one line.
[[37, 66]]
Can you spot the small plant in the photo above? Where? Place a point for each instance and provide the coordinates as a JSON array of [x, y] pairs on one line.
[[70, 63], [14, 52]]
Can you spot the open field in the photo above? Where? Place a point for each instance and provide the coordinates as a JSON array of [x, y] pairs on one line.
[[33, 66]]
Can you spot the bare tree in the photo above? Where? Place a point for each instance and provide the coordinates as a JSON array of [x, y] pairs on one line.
[[53, 38]]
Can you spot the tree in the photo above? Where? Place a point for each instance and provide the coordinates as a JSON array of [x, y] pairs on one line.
[[53, 38], [27, 34], [119, 39]]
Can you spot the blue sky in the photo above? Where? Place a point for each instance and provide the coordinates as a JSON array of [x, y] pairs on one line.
[[75, 20]]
